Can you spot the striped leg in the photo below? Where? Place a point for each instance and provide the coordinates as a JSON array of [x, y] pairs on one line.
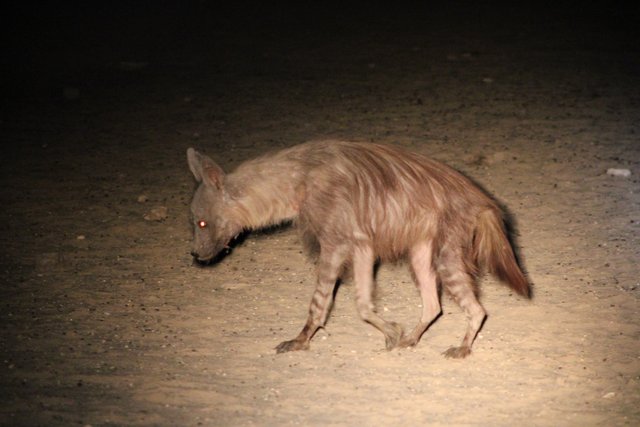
[[329, 267], [426, 280], [460, 284], [363, 261]]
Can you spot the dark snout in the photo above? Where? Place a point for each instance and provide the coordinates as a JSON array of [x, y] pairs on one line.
[[215, 255], [201, 261]]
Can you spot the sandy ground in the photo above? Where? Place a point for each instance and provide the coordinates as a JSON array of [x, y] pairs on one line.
[[105, 320]]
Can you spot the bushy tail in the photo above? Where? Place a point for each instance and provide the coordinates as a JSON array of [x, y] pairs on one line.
[[493, 251]]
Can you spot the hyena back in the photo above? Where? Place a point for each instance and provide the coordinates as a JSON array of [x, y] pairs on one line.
[[359, 203]]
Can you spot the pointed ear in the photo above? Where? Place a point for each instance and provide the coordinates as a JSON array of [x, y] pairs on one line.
[[204, 169]]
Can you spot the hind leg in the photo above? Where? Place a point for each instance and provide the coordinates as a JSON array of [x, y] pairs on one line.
[[363, 260], [329, 267], [460, 284], [426, 280]]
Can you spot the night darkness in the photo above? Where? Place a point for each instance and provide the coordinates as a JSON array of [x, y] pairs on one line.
[[106, 321]]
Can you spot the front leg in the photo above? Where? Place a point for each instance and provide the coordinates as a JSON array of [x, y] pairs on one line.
[[329, 266], [427, 282], [318, 312], [363, 261], [301, 342]]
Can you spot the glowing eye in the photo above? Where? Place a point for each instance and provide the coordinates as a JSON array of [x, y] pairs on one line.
[[202, 223]]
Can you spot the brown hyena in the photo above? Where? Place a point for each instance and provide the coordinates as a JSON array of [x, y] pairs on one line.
[[359, 203]]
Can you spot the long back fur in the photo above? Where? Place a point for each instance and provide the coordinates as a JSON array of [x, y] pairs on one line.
[[348, 193]]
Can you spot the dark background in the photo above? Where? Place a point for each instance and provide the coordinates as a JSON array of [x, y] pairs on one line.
[[47, 44]]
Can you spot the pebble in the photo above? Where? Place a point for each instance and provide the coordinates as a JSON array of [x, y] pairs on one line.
[[157, 214], [625, 173]]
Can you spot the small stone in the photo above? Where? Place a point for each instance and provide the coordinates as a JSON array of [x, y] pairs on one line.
[[143, 198], [81, 237], [624, 173], [157, 214]]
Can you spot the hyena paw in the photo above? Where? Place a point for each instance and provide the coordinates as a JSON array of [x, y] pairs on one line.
[[457, 352], [407, 341], [292, 345], [393, 335]]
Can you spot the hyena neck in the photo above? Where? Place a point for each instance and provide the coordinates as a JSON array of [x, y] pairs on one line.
[[263, 193]]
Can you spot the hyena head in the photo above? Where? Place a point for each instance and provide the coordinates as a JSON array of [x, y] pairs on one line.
[[212, 229]]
